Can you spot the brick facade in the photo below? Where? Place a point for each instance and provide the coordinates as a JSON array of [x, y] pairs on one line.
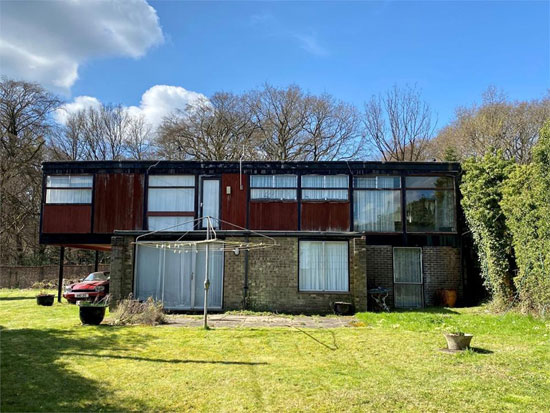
[[273, 275]]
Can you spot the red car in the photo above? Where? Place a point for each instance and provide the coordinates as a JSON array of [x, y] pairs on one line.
[[93, 288]]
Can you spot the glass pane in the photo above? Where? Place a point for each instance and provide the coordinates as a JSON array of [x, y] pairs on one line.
[[261, 181], [171, 199], [171, 180], [177, 224], [215, 275], [148, 272], [336, 266], [311, 266], [274, 194], [325, 181], [429, 182], [407, 267], [273, 181], [408, 295], [429, 210], [377, 211], [286, 181], [377, 182], [68, 196], [70, 181], [211, 201], [325, 194]]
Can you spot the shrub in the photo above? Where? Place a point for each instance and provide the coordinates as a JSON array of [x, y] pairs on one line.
[[130, 311], [482, 187]]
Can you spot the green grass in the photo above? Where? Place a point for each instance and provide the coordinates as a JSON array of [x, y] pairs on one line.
[[389, 362]]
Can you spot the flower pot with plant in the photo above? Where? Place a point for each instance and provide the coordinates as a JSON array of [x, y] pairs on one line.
[[93, 313], [43, 298]]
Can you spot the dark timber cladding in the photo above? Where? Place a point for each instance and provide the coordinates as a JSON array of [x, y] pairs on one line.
[[68, 219], [234, 203], [118, 202], [325, 216], [281, 216]]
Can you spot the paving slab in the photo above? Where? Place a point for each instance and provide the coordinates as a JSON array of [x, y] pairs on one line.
[[237, 320]]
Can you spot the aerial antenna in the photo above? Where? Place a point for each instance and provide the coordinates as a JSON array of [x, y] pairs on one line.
[[241, 170]]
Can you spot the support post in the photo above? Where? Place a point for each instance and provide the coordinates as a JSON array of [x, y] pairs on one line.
[[96, 262], [60, 281], [206, 280]]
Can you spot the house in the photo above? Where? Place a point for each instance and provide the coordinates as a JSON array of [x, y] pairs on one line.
[[341, 228]]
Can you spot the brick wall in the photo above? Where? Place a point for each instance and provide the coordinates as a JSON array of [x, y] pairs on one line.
[[25, 277], [441, 269], [380, 270], [273, 280], [122, 268]]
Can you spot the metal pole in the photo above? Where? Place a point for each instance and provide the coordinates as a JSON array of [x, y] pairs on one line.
[[60, 281], [206, 280], [96, 262]]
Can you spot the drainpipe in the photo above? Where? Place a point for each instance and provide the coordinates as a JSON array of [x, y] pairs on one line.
[[245, 287]]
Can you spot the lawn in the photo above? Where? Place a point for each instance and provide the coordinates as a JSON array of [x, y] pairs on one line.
[[387, 362]]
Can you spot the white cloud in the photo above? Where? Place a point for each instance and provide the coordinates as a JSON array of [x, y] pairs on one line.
[[46, 41], [156, 103], [310, 43], [80, 103]]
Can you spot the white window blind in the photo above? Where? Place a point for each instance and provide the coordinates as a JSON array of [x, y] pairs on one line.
[[170, 193], [69, 189], [325, 187], [273, 187], [323, 266]]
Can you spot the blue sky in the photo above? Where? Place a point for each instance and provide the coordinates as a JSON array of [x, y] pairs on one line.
[[451, 50]]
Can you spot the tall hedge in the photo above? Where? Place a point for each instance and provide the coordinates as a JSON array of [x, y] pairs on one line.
[[526, 204], [482, 190]]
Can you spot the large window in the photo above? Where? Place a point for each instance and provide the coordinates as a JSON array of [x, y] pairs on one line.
[[325, 187], [377, 203], [273, 187], [430, 204], [69, 189], [407, 277], [171, 202], [323, 266]]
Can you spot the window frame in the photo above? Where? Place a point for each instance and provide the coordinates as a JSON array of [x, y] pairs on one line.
[[421, 283], [171, 214], [334, 292], [66, 188], [324, 188], [401, 201], [452, 189], [295, 188]]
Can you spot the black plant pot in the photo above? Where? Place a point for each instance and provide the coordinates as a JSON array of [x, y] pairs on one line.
[[46, 299], [341, 308], [92, 315]]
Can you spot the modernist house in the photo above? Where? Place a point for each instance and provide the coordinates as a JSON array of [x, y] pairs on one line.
[[341, 228]]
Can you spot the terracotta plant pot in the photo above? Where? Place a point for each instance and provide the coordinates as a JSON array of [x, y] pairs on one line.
[[45, 299], [458, 341], [92, 315], [448, 298]]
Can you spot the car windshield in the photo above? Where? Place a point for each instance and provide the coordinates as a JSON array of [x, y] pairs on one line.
[[97, 276]]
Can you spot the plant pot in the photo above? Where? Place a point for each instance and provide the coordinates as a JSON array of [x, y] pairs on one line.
[[92, 315], [448, 298], [458, 341], [45, 299], [342, 308]]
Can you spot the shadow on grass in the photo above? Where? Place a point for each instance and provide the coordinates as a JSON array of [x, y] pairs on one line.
[[16, 298], [480, 350], [332, 347], [174, 361], [428, 310], [35, 377]]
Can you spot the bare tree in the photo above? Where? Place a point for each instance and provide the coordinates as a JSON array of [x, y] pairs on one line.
[[25, 110], [217, 129], [511, 126], [399, 124], [281, 116]]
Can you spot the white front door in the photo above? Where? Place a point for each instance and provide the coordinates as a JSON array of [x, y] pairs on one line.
[[210, 201]]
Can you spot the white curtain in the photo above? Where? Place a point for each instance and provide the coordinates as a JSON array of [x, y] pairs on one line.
[[407, 270], [323, 266], [269, 187], [376, 211], [177, 278], [171, 180], [377, 182], [444, 211], [170, 223], [171, 199], [325, 181], [282, 194], [68, 196], [69, 181]]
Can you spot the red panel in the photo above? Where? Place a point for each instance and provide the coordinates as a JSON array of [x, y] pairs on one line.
[[234, 204], [67, 219], [325, 216], [277, 216], [118, 202]]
